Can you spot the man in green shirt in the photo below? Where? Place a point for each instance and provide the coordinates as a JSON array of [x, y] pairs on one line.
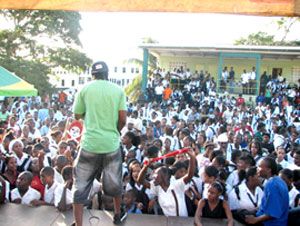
[[102, 106]]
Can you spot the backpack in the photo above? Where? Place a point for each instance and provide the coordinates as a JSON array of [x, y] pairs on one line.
[[142, 197]]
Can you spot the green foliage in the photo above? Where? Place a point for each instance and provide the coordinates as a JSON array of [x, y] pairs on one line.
[[149, 40], [39, 40], [133, 90], [262, 38], [259, 38]]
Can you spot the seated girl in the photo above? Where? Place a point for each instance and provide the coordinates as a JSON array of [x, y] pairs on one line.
[[213, 206]]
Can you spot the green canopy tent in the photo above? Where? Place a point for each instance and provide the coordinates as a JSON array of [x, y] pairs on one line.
[[13, 86]]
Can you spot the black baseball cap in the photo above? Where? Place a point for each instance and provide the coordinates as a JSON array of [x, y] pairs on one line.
[[99, 68]]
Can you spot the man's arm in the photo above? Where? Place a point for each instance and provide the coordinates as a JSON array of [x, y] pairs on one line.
[[250, 219], [122, 120]]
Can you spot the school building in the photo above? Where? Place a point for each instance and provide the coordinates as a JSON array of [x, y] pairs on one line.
[[274, 60]]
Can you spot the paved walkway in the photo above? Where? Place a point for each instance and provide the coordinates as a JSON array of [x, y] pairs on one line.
[[19, 215]]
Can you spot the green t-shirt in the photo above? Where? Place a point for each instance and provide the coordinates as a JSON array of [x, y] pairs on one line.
[[100, 102]]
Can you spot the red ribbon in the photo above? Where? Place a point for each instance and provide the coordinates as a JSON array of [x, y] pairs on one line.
[[170, 154]]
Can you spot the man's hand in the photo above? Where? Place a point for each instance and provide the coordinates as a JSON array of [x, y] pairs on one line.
[[250, 219], [140, 205], [35, 202]]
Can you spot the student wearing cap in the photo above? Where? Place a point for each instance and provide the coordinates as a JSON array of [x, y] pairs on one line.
[[223, 145], [102, 106]]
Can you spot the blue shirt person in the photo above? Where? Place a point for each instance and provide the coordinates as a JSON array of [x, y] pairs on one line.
[[274, 208], [275, 202]]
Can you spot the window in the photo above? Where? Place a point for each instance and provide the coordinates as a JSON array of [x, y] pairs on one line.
[[124, 69], [295, 74], [89, 79], [62, 82], [137, 70], [132, 70], [81, 80], [116, 69], [73, 83]]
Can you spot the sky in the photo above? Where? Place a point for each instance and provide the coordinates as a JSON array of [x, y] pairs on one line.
[[114, 37]]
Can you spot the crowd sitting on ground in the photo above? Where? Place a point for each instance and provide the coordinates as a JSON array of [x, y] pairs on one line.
[[234, 147]]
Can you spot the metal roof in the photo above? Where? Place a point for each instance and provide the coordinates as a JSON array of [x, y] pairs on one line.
[[272, 52]]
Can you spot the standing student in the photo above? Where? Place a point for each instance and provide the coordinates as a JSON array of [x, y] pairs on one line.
[[102, 106]]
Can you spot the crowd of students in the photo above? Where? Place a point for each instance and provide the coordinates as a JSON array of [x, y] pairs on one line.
[[227, 171]]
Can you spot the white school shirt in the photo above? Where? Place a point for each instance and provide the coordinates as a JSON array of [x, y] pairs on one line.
[[232, 180], [293, 193], [245, 78], [166, 199], [22, 159], [245, 198], [195, 181], [51, 192], [139, 188], [284, 163], [58, 177], [58, 196], [29, 196]]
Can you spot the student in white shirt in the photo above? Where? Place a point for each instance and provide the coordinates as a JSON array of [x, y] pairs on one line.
[[280, 151], [23, 193], [248, 194], [294, 195], [64, 200], [59, 163], [236, 177], [23, 159], [245, 80], [170, 193], [52, 188]]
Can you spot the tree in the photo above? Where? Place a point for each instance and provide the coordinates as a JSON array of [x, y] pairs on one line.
[[286, 24], [262, 38], [40, 40], [256, 39], [133, 90]]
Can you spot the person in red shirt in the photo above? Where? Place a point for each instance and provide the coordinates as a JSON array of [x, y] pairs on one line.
[[36, 182], [62, 97], [240, 100]]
